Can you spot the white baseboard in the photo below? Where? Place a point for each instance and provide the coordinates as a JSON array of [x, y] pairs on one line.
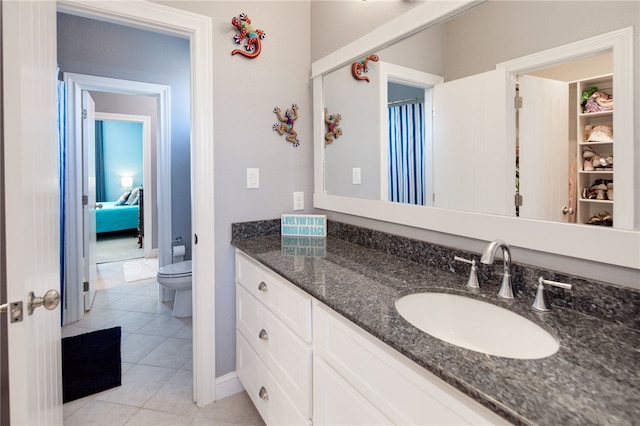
[[228, 385]]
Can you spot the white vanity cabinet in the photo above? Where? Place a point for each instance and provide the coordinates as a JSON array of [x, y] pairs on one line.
[[343, 376], [273, 339], [359, 380]]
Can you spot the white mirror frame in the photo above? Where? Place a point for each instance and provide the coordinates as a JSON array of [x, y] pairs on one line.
[[619, 247]]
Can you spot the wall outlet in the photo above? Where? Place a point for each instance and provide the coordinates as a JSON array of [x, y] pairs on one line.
[[298, 201], [357, 176], [253, 178]]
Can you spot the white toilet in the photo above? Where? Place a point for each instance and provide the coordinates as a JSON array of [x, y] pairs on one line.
[[177, 276]]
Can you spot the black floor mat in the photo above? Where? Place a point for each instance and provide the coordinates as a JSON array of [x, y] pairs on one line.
[[90, 363]]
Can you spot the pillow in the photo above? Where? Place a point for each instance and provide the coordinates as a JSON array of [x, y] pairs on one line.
[[122, 199], [133, 198]]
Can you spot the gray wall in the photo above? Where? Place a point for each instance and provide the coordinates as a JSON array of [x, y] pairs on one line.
[[102, 49], [359, 144], [486, 35], [354, 20]]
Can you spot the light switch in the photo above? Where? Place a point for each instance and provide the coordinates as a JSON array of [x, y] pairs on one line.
[[253, 178], [298, 201], [357, 180]]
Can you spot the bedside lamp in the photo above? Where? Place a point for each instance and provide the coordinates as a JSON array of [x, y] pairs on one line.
[[127, 181]]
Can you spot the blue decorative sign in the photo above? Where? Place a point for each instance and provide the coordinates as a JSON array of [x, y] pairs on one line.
[[299, 225]]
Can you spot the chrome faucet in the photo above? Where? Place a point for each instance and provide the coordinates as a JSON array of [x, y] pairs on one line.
[[506, 288]]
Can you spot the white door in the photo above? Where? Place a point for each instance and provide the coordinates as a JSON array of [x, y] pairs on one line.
[[89, 191], [31, 208], [544, 148], [470, 133]]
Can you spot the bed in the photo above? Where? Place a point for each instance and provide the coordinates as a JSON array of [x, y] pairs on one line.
[[112, 218]]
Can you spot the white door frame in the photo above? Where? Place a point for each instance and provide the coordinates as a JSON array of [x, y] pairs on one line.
[[76, 84], [147, 178], [198, 29]]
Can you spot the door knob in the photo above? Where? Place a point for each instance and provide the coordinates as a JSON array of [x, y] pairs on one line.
[[263, 335], [567, 210], [99, 205], [263, 394], [50, 301]]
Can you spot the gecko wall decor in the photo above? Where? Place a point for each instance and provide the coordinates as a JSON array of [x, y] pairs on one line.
[[361, 66], [253, 45], [286, 123], [332, 121]]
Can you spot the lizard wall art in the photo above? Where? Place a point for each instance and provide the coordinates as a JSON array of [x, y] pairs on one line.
[[332, 121], [253, 46], [361, 66], [286, 123]]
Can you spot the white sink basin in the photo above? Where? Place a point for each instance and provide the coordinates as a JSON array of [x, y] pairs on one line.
[[477, 325]]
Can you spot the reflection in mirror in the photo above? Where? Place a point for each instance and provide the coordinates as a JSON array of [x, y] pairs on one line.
[[470, 149], [409, 170], [357, 148], [550, 144], [388, 148]]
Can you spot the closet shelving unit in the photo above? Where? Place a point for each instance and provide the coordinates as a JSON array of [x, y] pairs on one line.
[[586, 208]]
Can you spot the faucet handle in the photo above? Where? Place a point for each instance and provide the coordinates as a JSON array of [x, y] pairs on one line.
[[472, 282], [541, 302]]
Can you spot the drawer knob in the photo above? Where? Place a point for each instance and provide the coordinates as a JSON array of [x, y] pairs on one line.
[[263, 394], [263, 335], [262, 286]]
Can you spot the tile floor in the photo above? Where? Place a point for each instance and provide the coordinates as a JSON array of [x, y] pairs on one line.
[[157, 371]]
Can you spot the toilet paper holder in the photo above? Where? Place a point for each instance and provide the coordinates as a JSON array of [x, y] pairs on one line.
[[178, 250]]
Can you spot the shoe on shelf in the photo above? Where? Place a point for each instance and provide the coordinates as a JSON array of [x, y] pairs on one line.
[[602, 218], [588, 165]]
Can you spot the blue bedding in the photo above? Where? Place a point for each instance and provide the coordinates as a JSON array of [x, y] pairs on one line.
[[112, 218]]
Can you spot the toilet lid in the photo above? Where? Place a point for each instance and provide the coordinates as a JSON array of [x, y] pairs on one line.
[[180, 269]]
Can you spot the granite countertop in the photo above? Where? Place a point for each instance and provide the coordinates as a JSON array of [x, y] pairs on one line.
[[592, 379]]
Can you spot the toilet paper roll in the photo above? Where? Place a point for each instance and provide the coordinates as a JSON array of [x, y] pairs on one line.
[[178, 250]]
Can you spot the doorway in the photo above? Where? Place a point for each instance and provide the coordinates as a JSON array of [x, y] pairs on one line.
[[77, 84], [197, 29], [125, 163], [611, 50], [406, 157], [547, 134]]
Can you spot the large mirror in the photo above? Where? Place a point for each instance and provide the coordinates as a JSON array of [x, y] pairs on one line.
[[434, 134]]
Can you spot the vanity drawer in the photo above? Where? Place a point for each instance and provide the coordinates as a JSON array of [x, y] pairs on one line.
[[336, 402], [402, 390], [289, 303], [273, 404], [286, 356]]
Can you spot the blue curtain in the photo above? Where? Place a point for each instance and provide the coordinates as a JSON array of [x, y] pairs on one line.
[[406, 154], [101, 192], [62, 161]]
